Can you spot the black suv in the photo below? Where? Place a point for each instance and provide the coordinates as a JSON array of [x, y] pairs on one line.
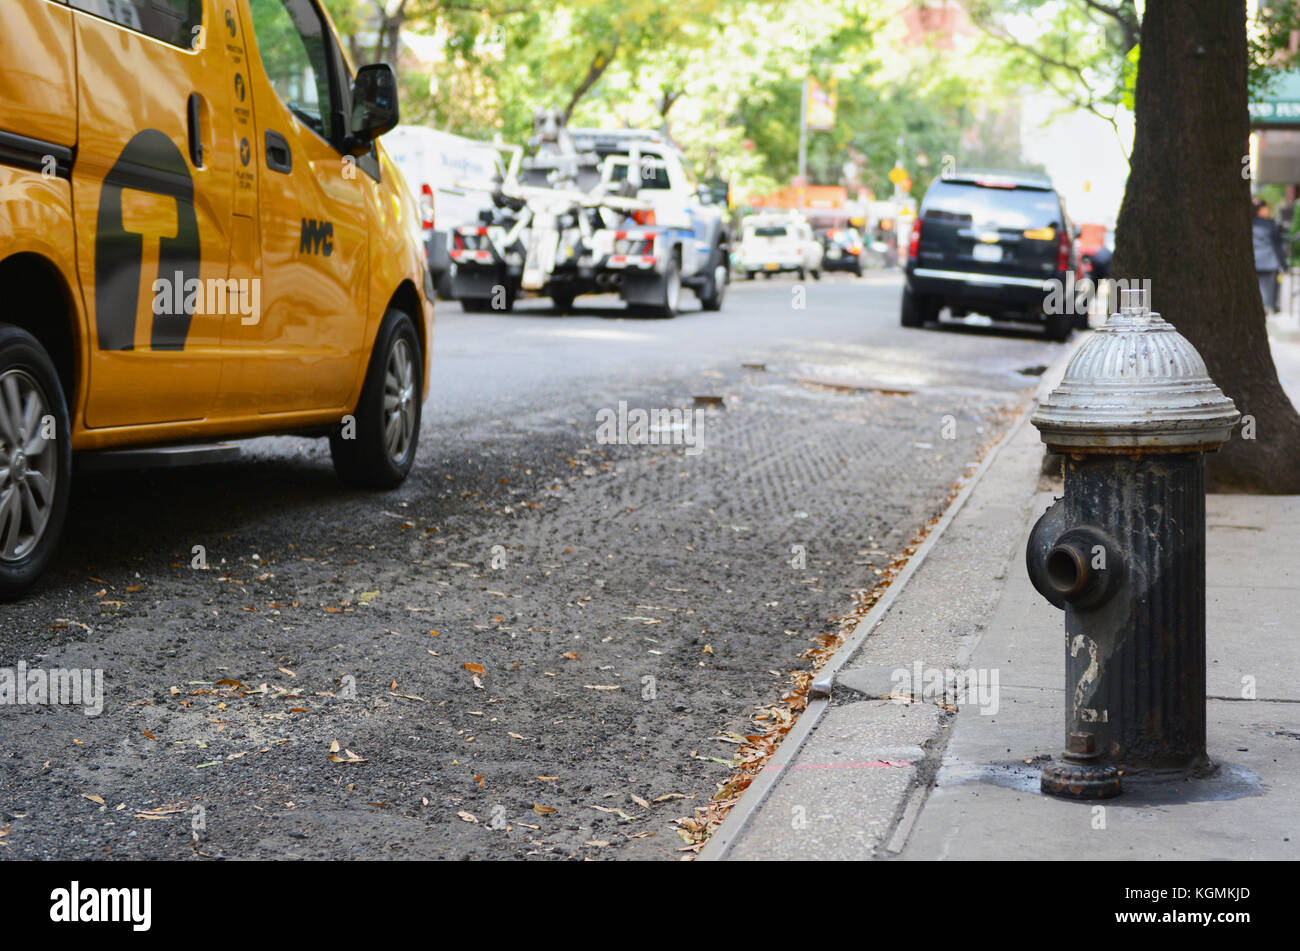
[[990, 242]]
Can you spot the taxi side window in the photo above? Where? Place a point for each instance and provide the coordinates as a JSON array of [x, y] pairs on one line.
[[176, 22], [291, 40]]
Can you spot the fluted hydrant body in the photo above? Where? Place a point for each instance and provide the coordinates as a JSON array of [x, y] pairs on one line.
[[1124, 551]]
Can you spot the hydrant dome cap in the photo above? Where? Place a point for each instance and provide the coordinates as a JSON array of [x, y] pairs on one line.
[[1138, 384]]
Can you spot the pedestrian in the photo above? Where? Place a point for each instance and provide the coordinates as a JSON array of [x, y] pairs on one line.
[[1270, 256]]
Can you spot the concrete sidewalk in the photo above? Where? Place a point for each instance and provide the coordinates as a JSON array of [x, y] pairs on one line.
[[878, 778]]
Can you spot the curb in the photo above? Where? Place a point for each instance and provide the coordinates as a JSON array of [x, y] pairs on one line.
[[819, 692]]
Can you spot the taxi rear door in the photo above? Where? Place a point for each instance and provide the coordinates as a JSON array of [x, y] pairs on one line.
[[152, 193]]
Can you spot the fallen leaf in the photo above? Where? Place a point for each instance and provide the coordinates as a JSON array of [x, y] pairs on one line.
[[347, 757], [540, 809], [98, 799], [640, 802], [475, 668], [468, 816]]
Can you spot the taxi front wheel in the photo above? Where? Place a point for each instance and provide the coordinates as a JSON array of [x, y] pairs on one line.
[[377, 448], [35, 460]]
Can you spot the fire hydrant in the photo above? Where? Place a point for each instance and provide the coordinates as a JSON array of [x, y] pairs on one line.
[[1123, 553]]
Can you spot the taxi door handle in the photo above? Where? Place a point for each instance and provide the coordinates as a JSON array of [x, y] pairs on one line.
[[194, 121], [278, 156]]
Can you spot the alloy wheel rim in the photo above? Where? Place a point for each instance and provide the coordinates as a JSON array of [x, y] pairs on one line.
[[399, 400], [28, 466], [720, 281]]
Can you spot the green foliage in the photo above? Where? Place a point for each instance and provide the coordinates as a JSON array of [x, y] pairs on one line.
[[724, 77]]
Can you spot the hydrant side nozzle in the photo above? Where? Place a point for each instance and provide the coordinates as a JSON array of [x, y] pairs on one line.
[[1083, 567], [1042, 539], [1079, 566]]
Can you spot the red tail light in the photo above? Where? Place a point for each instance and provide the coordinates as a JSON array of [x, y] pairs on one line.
[[914, 245], [426, 207], [1063, 251], [644, 217]]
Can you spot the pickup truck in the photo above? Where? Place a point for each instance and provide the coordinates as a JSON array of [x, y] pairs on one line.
[[594, 212]]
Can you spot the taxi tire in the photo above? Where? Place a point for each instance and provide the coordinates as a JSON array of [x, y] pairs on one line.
[[364, 461], [19, 350]]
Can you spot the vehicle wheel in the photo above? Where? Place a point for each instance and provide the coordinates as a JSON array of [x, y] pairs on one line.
[[507, 305], [442, 287], [1058, 326], [750, 275], [563, 302], [35, 471], [715, 289], [803, 274], [768, 274], [380, 449], [858, 270], [918, 309], [672, 292], [817, 274]]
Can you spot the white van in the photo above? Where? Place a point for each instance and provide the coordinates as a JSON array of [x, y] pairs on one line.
[[442, 171], [773, 242]]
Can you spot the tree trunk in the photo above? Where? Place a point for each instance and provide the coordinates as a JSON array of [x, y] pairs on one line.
[[1185, 226]]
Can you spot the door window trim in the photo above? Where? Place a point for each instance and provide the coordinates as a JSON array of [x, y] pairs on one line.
[[335, 138], [202, 33]]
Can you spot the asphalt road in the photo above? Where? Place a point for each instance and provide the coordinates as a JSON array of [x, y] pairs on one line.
[[536, 628]]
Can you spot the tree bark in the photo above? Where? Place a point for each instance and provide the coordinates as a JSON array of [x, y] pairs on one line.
[[1185, 226]]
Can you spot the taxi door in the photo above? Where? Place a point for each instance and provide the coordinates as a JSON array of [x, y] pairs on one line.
[[304, 352], [152, 190]]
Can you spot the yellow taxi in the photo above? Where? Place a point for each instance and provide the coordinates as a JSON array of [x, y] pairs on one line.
[[200, 238]]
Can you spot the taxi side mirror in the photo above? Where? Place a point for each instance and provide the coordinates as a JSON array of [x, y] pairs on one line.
[[374, 106]]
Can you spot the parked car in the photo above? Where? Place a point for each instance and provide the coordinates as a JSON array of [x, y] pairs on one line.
[[842, 250], [775, 242], [444, 172], [990, 242], [197, 240]]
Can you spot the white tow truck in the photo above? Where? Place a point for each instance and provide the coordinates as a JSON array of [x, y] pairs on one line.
[[594, 212]]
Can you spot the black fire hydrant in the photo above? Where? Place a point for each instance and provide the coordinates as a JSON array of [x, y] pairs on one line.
[[1123, 553]]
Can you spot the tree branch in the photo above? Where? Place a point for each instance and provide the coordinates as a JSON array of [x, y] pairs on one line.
[[599, 63]]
